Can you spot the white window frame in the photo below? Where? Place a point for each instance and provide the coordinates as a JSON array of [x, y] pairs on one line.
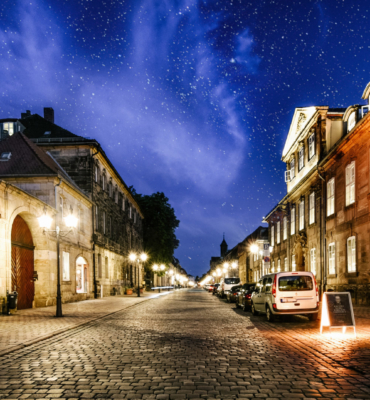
[[103, 181], [286, 267], [312, 208], [313, 260], [278, 232], [292, 220], [350, 183], [311, 145], [96, 173], [301, 159], [272, 235], [330, 206], [285, 228], [294, 265], [301, 215], [123, 202], [351, 254], [66, 275], [331, 257]]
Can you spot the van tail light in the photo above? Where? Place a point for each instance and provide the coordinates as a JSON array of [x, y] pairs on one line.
[[248, 296], [274, 287], [317, 289], [235, 294], [274, 306]]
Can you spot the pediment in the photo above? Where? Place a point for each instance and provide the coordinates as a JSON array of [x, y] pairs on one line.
[[302, 119]]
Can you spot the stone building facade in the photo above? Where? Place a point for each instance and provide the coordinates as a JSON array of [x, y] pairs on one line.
[[32, 184], [322, 224], [115, 217]]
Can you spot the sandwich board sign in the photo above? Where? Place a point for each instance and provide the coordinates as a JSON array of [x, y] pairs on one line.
[[337, 311]]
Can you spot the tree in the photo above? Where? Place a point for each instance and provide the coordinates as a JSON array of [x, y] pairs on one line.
[[159, 226]]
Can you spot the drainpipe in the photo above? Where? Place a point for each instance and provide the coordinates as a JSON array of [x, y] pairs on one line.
[[323, 270], [55, 193], [93, 223]]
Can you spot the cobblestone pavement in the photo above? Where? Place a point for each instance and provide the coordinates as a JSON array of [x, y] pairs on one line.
[[31, 325], [191, 345]]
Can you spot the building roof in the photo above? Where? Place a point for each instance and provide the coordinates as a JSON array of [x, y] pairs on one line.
[[36, 126], [26, 158]]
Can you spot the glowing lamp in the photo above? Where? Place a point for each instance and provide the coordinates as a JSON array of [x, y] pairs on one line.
[[143, 257], [132, 257], [71, 221], [254, 248], [45, 221], [162, 267], [155, 267]]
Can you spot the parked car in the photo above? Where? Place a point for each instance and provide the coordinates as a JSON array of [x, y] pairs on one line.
[[233, 294], [244, 296], [219, 289], [210, 288], [205, 287], [215, 287], [227, 284], [286, 293]]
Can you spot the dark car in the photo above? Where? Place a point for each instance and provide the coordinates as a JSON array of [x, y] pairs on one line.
[[232, 295], [215, 287], [244, 296]]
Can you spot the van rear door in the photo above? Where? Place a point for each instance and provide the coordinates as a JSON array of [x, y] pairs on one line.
[[296, 290]]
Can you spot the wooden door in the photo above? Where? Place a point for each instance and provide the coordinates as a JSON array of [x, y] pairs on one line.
[[22, 263]]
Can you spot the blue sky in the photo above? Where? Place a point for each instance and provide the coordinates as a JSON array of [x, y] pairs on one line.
[[192, 98]]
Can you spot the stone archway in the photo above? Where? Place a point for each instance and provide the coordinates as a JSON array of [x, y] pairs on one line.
[[22, 279]]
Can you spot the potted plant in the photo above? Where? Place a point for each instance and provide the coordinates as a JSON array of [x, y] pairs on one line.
[[128, 290]]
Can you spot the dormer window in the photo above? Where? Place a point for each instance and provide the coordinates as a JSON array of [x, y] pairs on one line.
[[47, 133], [9, 127], [301, 158], [351, 121], [5, 156]]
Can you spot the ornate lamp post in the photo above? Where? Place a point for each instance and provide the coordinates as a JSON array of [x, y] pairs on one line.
[[45, 223], [139, 259]]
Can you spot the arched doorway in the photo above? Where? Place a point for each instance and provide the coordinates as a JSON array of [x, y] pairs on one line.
[[22, 263], [81, 275]]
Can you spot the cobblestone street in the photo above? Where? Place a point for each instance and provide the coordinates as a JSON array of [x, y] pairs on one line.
[[191, 345]]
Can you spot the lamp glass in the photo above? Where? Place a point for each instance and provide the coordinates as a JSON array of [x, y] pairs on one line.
[[226, 265], [162, 267], [155, 267], [71, 221], [143, 257], [45, 221], [254, 248], [234, 264], [132, 257]]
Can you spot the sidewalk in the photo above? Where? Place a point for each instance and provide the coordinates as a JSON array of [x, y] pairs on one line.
[[35, 324]]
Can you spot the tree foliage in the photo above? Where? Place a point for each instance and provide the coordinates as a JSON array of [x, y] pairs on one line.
[[159, 226]]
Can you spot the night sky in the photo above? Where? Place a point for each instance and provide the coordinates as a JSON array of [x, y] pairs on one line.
[[192, 98]]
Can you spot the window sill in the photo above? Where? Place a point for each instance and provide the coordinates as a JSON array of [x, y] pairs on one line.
[[332, 276], [352, 205], [331, 216], [351, 274], [312, 225], [66, 282]]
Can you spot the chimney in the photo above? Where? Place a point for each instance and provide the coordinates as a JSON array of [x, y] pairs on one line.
[[26, 114], [49, 114]]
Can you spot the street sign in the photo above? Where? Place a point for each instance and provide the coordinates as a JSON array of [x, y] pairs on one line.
[[266, 246], [337, 311]]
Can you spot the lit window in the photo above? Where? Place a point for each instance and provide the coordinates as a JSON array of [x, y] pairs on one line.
[[331, 254], [9, 126], [96, 173], [313, 261], [130, 212], [278, 232], [292, 169], [96, 218], [103, 182], [66, 275], [301, 158], [351, 254], [311, 146], [273, 266], [301, 215], [312, 207], [293, 263], [330, 197], [272, 235], [286, 268], [104, 222], [350, 183], [285, 228], [123, 202], [292, 221], [279, 266]]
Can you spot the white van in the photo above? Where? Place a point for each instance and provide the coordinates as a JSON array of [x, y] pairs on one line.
[[226, 285], [286, 293]]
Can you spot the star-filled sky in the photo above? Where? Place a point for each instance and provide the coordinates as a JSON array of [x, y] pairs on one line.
[[192, 98]]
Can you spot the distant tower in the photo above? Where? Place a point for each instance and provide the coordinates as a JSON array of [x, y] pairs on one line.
[[223, 247]]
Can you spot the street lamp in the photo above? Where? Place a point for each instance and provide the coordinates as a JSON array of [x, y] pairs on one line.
[[45, 223], [142, 258], [254, 248]]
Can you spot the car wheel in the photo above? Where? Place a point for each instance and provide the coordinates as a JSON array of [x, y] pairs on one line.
[[245, 308], [227, 300], [269, 315], [236, 304], [254, 311], [313, 317]]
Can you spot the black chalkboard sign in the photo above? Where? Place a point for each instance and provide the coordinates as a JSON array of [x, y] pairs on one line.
[[337, 311]]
